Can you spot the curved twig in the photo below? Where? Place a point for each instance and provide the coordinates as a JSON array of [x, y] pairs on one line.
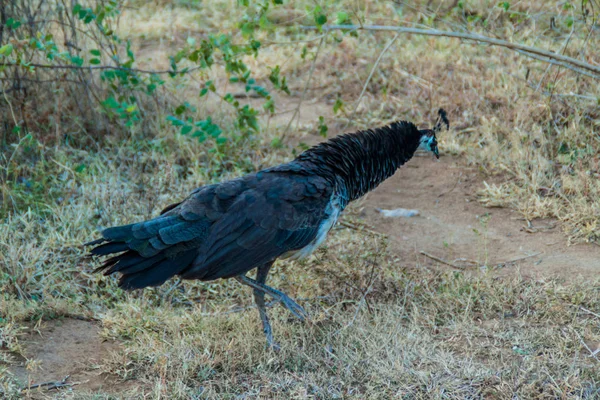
[[542, 55]]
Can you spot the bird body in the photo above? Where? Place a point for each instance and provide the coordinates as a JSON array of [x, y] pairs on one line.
[[225, 230]]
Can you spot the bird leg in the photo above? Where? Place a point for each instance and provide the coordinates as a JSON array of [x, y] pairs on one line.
[[259, 299], [290, 304]]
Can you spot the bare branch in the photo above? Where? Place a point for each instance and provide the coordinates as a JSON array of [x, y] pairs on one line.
[[440, 260], [103, 67], [555, 62], [534, 52]]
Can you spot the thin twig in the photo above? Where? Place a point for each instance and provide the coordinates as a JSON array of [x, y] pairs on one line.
[[453, 187], [103, 67], [360, 228], [294, 41], [362, 301], [12, 113], [514, 260], [310, 74], [589, 312], [385, 49], [555, 62], [50, 385], [567, 62], [441, 260], [564, 47], [546, 93], [592, 353]]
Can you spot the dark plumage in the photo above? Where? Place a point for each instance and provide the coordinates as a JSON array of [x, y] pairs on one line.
[[227, 229]]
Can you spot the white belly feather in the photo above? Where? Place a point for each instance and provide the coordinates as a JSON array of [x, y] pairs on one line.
[[321, 234]]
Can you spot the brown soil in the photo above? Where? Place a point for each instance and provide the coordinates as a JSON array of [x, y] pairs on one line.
[[66, 347], [451, 225]]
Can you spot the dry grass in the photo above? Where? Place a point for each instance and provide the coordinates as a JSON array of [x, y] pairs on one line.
[[380, 328]]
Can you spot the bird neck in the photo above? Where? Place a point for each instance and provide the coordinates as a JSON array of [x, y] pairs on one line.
[[359, 162]]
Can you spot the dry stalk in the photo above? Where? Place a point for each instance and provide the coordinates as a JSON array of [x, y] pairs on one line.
[[530, 51]]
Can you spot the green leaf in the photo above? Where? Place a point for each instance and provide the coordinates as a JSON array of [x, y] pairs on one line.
[[200, 135], [338, 105], [175, 121], [247, 28], [261, 91], [323, 128], [186, 129], [203, 92], [194, 56], [110, 75], [277, 143], [129, 51], [12, 23], [111, 103], [569, 21], [342, 18], [229, 98], [269, 106], [6, 50], [94, 61], [180, 110], [95, 52], [321, 19], [505, 5], [77, 60]]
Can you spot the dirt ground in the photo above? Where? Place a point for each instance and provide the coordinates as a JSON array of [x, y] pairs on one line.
[[451, 226], [65, 348]]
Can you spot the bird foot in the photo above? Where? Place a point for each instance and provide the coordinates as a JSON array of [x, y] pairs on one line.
[[290, 304], [294, 307], [273, 345]]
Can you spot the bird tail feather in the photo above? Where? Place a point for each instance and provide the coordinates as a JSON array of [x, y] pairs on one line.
[[141, 255]]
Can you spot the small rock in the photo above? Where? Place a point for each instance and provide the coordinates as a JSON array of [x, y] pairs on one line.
[[398, 212]]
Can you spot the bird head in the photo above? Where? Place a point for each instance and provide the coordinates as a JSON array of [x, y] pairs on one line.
[[428, 141]]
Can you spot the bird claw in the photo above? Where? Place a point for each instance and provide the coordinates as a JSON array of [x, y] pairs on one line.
[[273, 345], [294, 307]]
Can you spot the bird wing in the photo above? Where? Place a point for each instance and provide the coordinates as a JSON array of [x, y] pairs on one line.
[[276, 214], [220, 230]]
